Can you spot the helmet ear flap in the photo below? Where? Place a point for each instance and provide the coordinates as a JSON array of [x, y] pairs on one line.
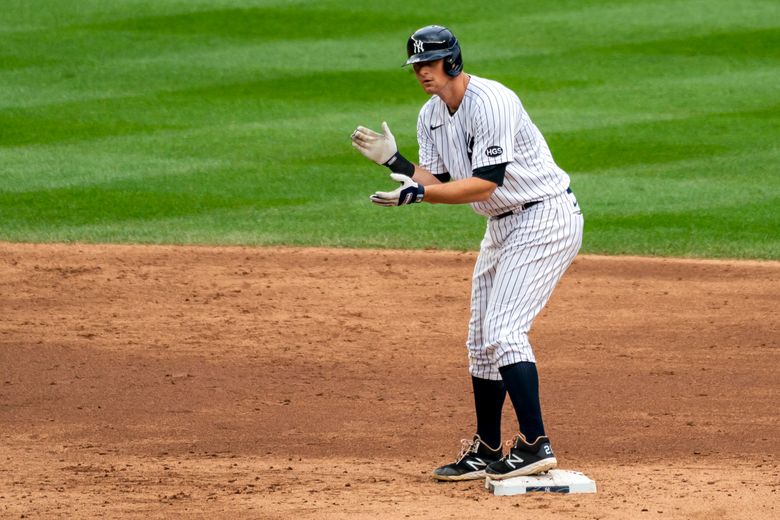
[[453, 64]]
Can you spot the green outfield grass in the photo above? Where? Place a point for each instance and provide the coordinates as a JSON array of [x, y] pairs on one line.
[[228, 122]]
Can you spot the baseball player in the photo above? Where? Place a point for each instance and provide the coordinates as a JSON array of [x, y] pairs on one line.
[[478, 146]]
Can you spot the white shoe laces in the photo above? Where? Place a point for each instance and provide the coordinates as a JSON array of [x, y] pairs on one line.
[[511, 443], [467, 446]]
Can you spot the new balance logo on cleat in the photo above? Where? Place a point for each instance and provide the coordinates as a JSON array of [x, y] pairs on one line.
[[513, 460], [477, 464]]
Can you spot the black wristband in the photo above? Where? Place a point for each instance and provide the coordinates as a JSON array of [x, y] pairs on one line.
[[399, 164]]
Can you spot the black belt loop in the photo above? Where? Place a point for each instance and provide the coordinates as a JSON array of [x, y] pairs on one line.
[[523, 207]]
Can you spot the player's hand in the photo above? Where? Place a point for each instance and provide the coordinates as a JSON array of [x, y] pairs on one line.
[[377, 147], [409, 192]]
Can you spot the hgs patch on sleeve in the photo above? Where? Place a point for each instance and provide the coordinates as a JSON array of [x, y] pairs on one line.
[[494, 151]]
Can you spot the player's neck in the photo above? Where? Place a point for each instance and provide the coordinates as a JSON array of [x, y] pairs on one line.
[[453, 93]]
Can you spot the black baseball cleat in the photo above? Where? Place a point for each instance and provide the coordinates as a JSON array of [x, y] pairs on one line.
[[473, 458], [523, 459]]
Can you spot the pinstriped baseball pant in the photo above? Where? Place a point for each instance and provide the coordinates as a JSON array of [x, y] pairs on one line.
[[522, 257]]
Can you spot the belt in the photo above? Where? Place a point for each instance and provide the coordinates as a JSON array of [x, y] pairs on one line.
[[522, 208]]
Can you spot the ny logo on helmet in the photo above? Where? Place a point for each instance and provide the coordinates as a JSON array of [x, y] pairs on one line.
[[418, 47]]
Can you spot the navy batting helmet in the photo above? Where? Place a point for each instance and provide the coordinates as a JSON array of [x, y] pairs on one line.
[[434, 42]]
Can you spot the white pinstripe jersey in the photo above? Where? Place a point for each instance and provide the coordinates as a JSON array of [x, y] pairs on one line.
[[490, 127]]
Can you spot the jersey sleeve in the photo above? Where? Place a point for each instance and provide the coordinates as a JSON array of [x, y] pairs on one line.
[[429, 156], [495, 124]]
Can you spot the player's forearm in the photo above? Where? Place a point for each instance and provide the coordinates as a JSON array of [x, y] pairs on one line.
[[463, 191], [424, 177]]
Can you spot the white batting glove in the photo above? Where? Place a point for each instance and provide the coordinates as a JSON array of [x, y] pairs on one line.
[[377, 147], [409, 192]]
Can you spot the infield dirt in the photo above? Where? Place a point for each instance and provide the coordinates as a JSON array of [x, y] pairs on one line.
[[195, 382]]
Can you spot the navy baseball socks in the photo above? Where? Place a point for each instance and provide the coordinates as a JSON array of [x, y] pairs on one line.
[[472, 460], [489, 398], [522, 384], [524, 458]]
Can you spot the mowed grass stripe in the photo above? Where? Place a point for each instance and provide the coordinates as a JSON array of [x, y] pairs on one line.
[[205, 123], [134, 40], [308, 223]]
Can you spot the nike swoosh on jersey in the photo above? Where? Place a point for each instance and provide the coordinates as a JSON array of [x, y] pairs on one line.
[[438, 126]]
